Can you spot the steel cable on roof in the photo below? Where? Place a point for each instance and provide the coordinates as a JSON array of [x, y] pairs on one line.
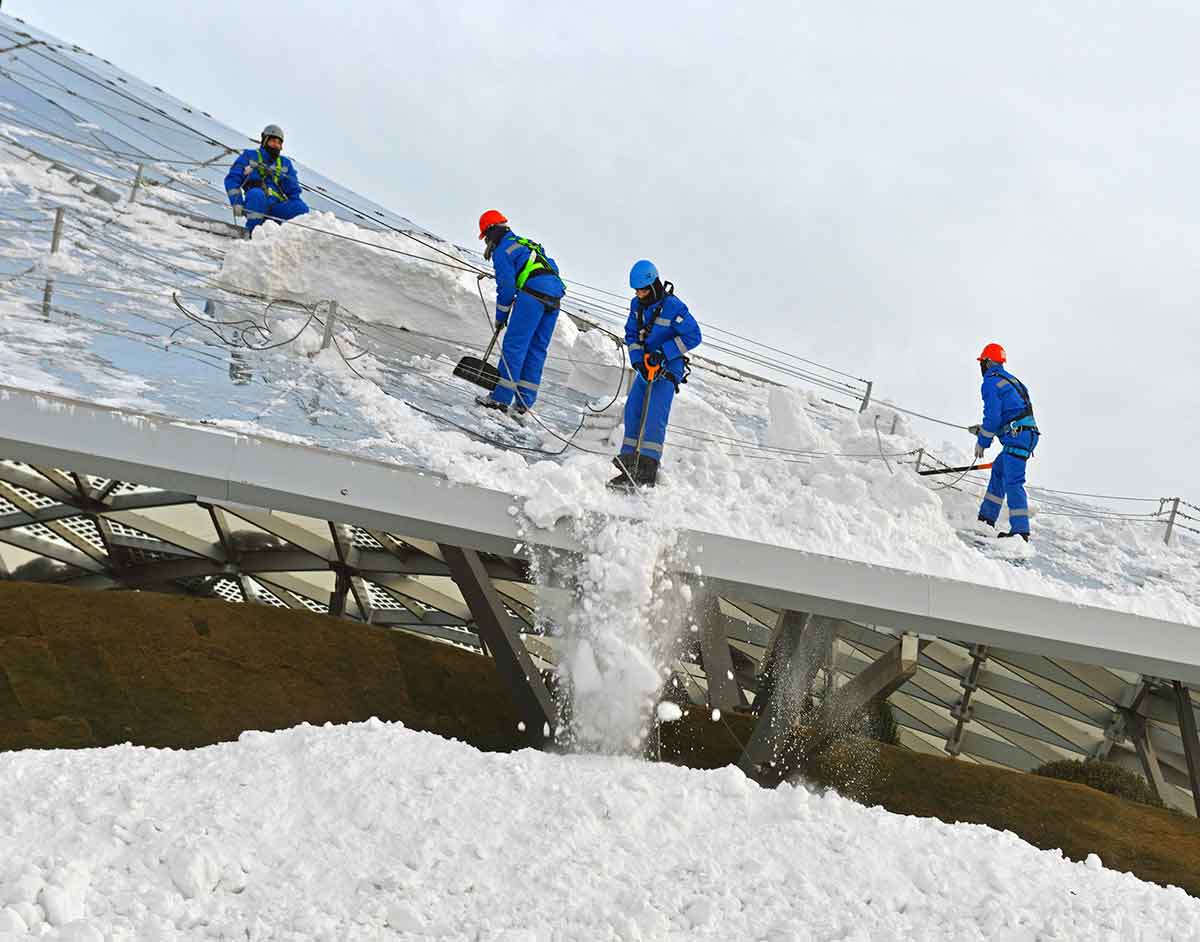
[[113, 89], [94, 103], [807, 378]]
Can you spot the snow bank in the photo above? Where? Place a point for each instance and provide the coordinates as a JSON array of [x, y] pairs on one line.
[[384, 277], [372, 831]]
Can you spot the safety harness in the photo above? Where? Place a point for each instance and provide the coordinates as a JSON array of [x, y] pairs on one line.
[[646, 317], [535, 263], [266, 172], [1022, 422]]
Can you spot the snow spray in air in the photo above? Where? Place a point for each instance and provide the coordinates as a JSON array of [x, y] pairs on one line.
[[620, 615]]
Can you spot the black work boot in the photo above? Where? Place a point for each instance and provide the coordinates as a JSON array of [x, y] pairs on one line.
[[982, 519], [636, 471], [647, 471], [1023, 536], [627, 465], [489, 403]]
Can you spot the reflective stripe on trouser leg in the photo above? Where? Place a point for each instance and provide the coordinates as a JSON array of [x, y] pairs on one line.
[[1014, 490], [662, 394], [256, 208], [993, 500], [522, 323], [535, 359]]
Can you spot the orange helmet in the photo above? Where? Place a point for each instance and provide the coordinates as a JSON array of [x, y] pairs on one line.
[[994, 353], [493, 217]]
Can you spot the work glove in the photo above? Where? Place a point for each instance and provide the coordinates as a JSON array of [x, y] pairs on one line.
[[501, 322], [974, 429], [980, 451], [238, 210]]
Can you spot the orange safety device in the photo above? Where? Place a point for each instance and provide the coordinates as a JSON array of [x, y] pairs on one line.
[[993, 352], [493, 217]]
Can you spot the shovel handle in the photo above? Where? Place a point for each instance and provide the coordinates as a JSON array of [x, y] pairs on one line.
[[496, 333]]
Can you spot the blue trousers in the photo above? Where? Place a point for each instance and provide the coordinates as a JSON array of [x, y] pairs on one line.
[[662, 394], [523, 354], [260, 207], [1008, 481]]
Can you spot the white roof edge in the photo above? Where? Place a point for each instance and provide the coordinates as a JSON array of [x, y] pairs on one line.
[[220, 464]]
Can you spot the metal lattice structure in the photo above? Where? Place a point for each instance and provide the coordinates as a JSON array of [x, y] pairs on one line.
[[1015, 704]]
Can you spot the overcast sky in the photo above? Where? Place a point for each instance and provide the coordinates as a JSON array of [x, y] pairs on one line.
[[883, 187]]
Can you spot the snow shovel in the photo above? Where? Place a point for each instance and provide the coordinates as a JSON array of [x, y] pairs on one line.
[[964, 468], [630, 473], [651, 376], [480, 371]]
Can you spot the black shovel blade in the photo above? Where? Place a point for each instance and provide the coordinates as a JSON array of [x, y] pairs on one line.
[[480, 372]]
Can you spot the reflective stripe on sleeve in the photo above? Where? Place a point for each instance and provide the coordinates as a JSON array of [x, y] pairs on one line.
[[1002, 382], [234, 192], [986, 434], [681, 345], [662, 322]]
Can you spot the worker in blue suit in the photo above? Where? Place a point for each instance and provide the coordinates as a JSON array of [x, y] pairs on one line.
[[658, 334], [262, 183], [528, 294], [1007, 413]]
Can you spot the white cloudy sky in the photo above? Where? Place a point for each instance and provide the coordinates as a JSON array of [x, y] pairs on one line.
[[880, 186]]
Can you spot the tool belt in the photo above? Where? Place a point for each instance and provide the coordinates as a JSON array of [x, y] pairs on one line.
[[1023, 424]]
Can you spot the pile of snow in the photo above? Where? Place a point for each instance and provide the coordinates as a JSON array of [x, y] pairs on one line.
[[372, 831], [384, 277]]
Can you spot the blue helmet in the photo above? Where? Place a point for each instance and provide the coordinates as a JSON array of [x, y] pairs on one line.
[[642, 275]]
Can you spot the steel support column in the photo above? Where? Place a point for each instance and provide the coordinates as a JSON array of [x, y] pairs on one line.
[[723, 690], [1191, 741], [794, 655], [885, 675], [497, 631], [1147, 755]]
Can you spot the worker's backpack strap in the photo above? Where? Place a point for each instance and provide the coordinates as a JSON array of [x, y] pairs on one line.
[[268, 175], [534, 264]]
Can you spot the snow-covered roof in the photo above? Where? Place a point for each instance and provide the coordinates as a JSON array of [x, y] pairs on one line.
[[339, 331]]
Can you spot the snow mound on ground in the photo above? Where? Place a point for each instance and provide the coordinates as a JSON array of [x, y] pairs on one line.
[[372, 831]]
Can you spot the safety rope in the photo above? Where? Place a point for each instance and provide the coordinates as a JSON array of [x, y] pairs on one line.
[[108, 107]]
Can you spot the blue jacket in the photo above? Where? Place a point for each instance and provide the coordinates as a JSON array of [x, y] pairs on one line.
[[252, 165], [508, 258], [665, 327], [1005, 399]]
